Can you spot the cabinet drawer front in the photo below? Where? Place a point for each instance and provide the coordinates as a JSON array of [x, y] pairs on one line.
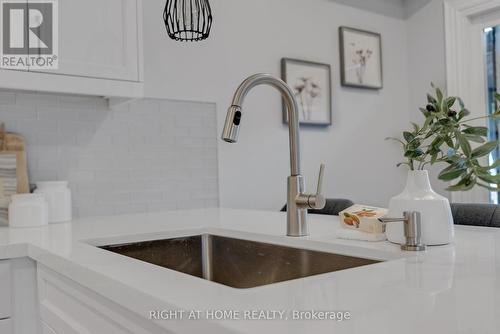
[[69, 308], [5, 326], [5, 287]]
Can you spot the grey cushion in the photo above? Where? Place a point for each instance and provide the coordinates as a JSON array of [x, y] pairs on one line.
[[476, 214], [333, 207]]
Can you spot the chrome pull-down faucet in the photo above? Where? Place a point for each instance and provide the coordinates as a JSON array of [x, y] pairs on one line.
[[297, 200]]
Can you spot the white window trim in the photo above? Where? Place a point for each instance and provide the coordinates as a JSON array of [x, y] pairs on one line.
[[465, 64]]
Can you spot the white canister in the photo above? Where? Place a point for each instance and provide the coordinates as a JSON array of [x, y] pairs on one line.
[[58, 197], [28, 210]]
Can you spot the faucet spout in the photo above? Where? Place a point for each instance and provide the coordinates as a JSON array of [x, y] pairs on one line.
[[297, 200], [234, 114]]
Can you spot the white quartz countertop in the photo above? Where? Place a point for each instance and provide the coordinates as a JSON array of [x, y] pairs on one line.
[[447, 289]]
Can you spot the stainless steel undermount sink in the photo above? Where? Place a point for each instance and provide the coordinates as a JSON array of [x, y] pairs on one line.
[[234, 262]]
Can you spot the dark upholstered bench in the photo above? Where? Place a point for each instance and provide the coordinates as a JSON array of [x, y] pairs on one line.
[[476, 214]]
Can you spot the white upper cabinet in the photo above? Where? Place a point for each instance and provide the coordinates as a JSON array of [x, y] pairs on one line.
[[99, 51], [99, 39]]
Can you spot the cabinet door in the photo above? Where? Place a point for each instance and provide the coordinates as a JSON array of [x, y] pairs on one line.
[[5, 288], [99, 39], [67, 307]]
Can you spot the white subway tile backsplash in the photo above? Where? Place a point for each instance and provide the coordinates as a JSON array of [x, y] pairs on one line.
[[128, 208], [18, 112], [37, 99], [56, 114], [36, 126], [43, 174], [70, 101], [7, 98], [166, 205], [149, 155]]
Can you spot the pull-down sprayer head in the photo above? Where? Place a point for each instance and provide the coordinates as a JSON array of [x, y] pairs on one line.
[[232, 125], [233, 117]]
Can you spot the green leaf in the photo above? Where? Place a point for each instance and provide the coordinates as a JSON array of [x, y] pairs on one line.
[[424, 111], [484, 149], [477, 130], [463, 113], [490, 167], [448, 175], [454, 159], [437, 142], [395, 139], [429, 134], [431, 99], [463, 185], [461, 103], [495, 179], [415, 144], [408, 136], [413, 154], [439, 95], [475, 139], [449, 142], [450, 101], [464, 143], [434, 158], [444, 107], [428, 121], [497, 96]]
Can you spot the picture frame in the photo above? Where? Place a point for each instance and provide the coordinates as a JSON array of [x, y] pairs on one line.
[[360, 58], [312, 85]]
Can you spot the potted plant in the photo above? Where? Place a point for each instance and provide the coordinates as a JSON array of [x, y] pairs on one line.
[[446, 137]]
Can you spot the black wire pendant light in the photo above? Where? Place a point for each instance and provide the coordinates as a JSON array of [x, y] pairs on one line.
[[188, 20]]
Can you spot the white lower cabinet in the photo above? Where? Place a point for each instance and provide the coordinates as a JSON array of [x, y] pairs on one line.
[[25, 318], [6, 326], [5, 290], [67, 307]]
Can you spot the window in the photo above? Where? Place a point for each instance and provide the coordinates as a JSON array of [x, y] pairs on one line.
[[492, 43]]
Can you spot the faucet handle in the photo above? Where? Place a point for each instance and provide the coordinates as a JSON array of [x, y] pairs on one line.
[[318, 201], [320, 179], [313, 201]]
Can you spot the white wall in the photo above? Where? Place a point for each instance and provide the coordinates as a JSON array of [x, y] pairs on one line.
[[426, 54], [252, 36], [426, 59], [391, 8]]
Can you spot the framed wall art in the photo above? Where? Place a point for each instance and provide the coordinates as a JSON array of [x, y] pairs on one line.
[[311, 83], [360, 58]]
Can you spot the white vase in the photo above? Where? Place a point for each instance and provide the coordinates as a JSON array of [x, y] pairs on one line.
[[437, 221]]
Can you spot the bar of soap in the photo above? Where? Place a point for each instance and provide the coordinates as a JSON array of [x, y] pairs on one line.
[[363, 218]]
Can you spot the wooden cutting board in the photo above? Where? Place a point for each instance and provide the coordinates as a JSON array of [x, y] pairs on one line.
[[11, 143]]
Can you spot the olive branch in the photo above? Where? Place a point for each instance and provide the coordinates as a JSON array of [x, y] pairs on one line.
[[446, 137]]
